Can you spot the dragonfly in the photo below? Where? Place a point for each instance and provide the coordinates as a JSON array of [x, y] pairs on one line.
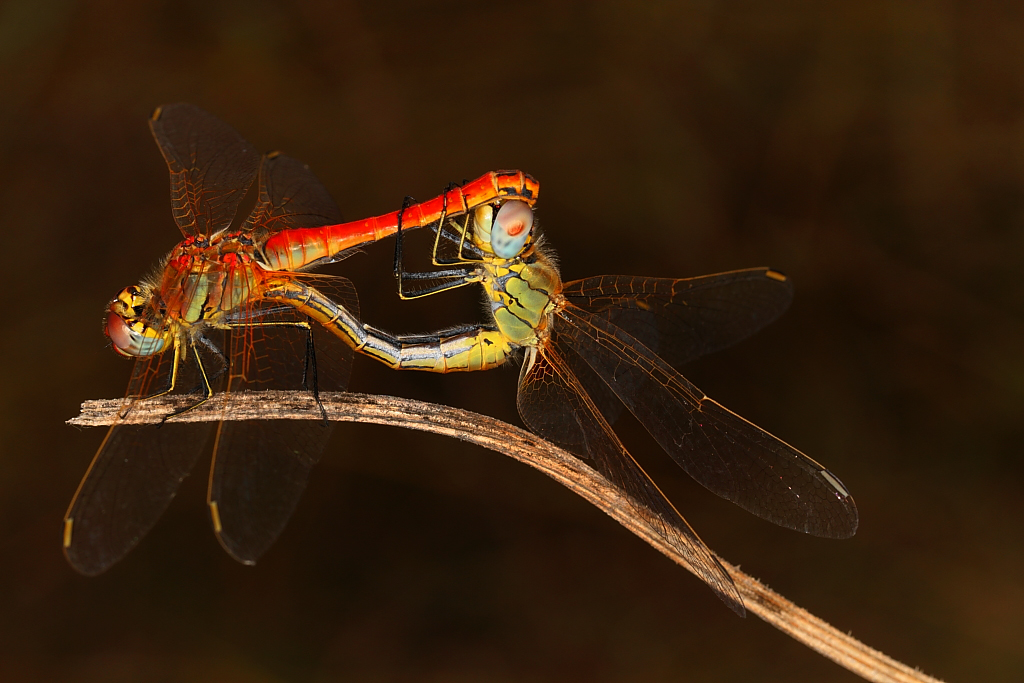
[[594, 347], [208, 319]]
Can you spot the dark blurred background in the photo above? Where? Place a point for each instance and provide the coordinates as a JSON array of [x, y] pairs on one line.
[[873, 151]]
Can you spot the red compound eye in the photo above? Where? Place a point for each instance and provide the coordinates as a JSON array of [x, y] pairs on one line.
[[119, 334], [129, 342]]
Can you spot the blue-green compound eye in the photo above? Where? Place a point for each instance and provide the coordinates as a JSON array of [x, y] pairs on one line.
[[133, 341], [511, 229]]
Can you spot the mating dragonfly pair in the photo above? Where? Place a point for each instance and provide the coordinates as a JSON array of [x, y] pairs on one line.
[[233, 308]]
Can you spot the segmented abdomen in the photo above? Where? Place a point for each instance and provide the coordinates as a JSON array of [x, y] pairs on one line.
[[298, 248]]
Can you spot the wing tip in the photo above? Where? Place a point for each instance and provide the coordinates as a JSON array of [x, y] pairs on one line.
[[243, 555], [71, 555]]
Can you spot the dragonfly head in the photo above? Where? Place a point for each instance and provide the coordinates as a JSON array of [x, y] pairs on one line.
[[129, 331], [507, 231]]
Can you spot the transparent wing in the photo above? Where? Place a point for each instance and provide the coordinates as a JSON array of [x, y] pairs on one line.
[[725, 453], [681, 320], [260, 467], [553, 404], [211, 166], [133, 476], [290, 196]]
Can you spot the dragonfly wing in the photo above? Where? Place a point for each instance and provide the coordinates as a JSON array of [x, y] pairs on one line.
[[290, 196], [260, 467], [600, 394], [552, 403], [681, 320], [211, 166], [725, 453], [130, 483], [133, 477]]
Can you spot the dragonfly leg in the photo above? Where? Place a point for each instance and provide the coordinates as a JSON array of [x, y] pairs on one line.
[[399, 268], [457, 277], [310, 367], [462, 231], [441, 220], [205, 385], [224, 362], [172, 378], [308, 363], [213, 348], [476, 255]]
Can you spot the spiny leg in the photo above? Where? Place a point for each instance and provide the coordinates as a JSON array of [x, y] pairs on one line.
[[399, 269], [462, 231], [225, 363], [207, 388], [172, 378], [440, 224], [463, 277], [308, 363], [476, 255], [310, 366], [460, 276]]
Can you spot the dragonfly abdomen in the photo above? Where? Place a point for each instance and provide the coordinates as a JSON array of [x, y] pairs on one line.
[[298, 248], [465, 349]]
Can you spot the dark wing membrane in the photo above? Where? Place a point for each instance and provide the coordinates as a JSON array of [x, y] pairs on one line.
[[260, 468], [211, 166], [552, 404], [133, 477], [131, 481], [730, 456], [599, 393], [681, 320], [290, 196]]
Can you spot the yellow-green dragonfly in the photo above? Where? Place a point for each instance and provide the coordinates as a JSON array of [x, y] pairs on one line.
[[593, 345]]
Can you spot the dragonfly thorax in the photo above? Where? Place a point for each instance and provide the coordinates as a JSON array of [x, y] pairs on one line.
[[521, 293], [202, 282]]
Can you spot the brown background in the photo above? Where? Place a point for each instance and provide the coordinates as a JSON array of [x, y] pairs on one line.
[[874, 151]]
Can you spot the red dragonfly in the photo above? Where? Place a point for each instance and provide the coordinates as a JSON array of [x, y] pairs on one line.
[[215, 315]]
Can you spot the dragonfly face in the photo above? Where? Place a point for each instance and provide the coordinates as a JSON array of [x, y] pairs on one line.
[[131, 333]]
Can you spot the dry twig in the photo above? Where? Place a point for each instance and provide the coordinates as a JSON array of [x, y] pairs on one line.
[[528, 448]]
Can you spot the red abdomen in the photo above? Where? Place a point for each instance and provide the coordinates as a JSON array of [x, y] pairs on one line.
[[296, 249]]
